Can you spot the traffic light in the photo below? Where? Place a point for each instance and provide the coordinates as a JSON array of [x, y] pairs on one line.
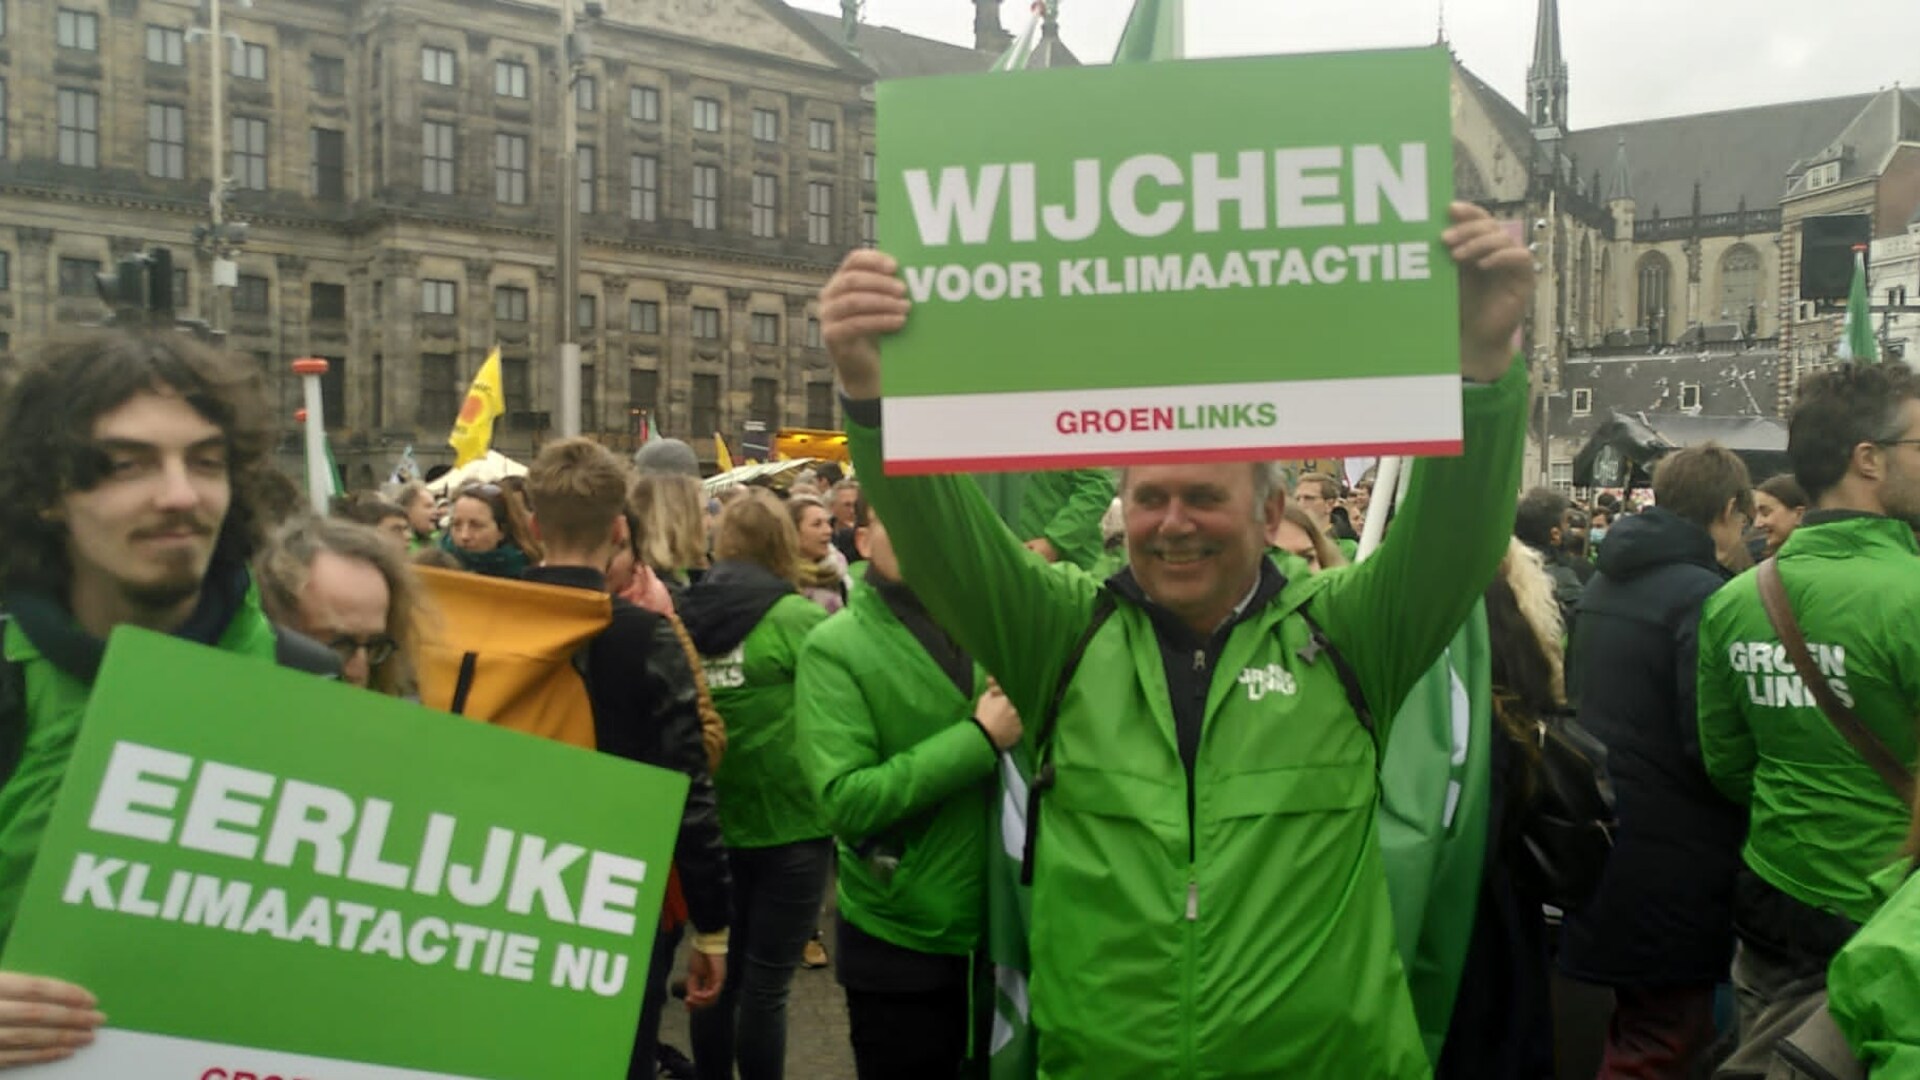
[[140, 288]]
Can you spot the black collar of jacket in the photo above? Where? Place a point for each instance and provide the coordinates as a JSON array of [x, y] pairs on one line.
[[1189, 660], [905, 604], [572, 577], [1828, 517], [45, 620]]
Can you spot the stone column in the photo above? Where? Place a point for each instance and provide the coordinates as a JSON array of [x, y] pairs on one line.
[[614, 361], [676, 364], [477, 327], [736, 395], [34, 284]]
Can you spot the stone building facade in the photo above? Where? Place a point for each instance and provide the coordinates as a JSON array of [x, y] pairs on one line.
[[397, 164], [1670, 248]]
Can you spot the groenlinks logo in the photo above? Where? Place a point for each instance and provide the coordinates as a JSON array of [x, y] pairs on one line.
[[1272, 679]]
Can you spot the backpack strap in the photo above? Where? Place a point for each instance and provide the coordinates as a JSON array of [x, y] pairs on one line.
[[1870, 746], [13, 712], [1320, 645], [1043, 777]]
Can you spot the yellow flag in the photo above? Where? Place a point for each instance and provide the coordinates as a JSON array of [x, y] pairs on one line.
[[473, 429], [720, 453]]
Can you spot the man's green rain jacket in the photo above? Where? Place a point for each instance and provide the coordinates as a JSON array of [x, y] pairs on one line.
[[1823, 821], [1064, 508], [1236, 925], [904, 775], [56, 670], [1873, 986]]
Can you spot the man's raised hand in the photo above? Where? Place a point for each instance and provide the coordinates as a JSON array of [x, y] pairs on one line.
[[864, 301]]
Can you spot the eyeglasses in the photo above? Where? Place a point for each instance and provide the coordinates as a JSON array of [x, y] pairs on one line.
[[1897, 442], [379, 648]]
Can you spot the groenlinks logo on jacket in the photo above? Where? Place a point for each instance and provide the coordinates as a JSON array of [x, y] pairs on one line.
[[1272, 679], [726, 672]]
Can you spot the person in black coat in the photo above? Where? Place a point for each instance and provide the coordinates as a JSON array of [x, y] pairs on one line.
[[1660, 929]]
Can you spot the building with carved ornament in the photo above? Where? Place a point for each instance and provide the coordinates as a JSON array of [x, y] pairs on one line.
[[396, 163]]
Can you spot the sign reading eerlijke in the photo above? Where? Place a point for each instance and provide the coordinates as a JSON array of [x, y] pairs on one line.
[[1171, 262], [259, 872]]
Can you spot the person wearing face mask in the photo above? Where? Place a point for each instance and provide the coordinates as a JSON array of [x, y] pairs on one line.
[[486, 533], [1827, 811]]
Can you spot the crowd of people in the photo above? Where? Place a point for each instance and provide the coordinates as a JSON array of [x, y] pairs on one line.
[[1205, 670]]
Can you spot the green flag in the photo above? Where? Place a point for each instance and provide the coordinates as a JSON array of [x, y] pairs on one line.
[[1021, 51], [1857, 343], [1154, 32], [1434, 798]]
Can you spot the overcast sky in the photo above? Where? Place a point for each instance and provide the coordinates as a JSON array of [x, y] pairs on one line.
[[1630, 59]]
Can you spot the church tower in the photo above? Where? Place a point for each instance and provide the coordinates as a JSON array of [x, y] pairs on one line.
[[989, 34], [1547, 76]]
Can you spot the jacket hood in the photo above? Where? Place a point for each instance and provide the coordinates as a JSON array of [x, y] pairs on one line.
[[1653, 539], [723, 607]]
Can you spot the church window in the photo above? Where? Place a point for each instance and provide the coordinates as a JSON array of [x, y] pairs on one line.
[[1739, 284], [1656, 273]]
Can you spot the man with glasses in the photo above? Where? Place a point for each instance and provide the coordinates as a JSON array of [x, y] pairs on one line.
[[348, 587], [1823, 820]]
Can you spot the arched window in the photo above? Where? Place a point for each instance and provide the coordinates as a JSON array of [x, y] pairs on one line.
[[1740, 285], [1655, 275]]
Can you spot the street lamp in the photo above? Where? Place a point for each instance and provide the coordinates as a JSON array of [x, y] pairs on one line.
[[219, 238], [573, 50]]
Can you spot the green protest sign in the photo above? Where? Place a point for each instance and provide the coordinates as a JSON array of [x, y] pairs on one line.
[[1167, 262], [259, 873]]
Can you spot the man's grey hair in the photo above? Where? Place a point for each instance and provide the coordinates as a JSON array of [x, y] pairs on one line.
[[1269, 479]]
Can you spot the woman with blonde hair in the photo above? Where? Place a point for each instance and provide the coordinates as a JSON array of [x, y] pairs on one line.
[[823, 570], [672, 512], [748, 620], [1502, 1025]]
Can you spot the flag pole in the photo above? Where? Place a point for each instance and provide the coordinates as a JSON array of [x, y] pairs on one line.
[[1386, 492], [310, 369]]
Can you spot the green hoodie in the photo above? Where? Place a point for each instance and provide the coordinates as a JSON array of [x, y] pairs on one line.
[[1823, 821], [1873, 987], [901, 769], [56, 700], [1251, 937], [748, 626]]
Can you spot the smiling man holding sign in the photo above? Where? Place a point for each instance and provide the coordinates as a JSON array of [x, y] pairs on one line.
[[1208, 897]]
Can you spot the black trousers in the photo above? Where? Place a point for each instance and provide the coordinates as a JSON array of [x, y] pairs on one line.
[[909, 1013]]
